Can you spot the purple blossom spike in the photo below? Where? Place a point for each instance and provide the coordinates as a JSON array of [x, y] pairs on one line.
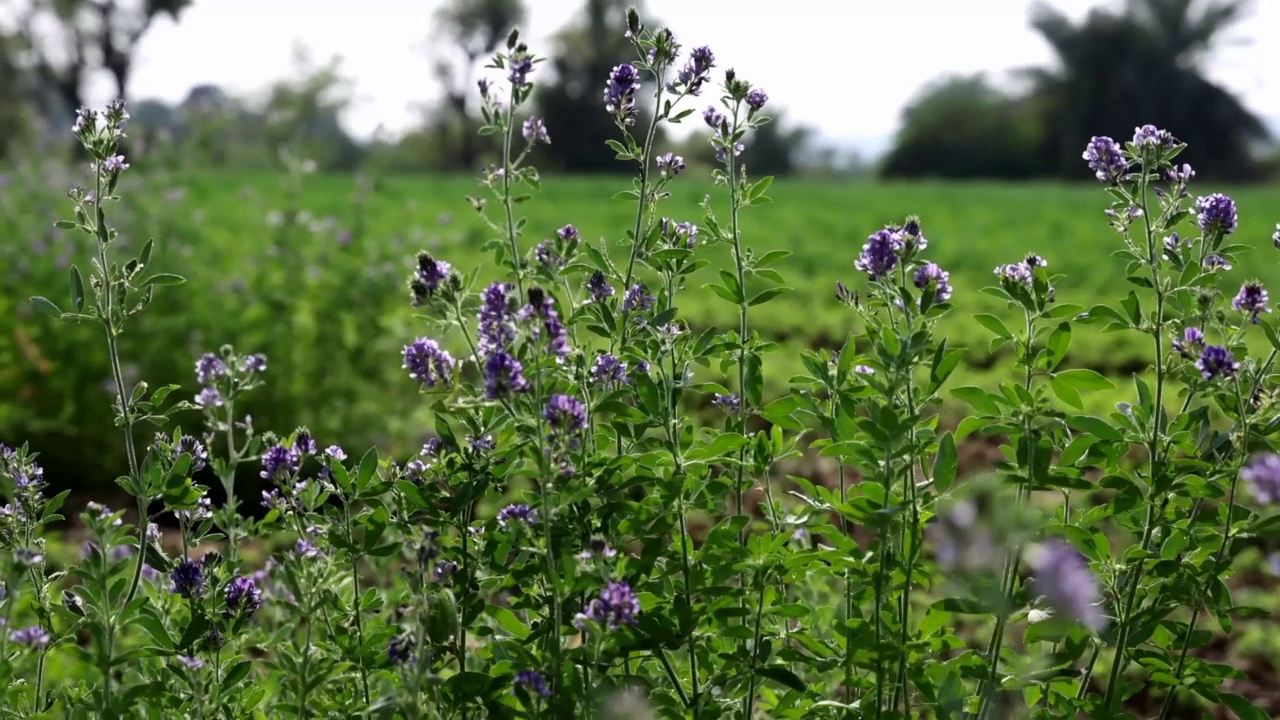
[[546, 256], [427, 362], [400, 649], [517, 514], [1106, 159], [209, 398], [496, 318], [280, 461], [427, 278], [243, 596], [930, 274], [756, 99], [714, 119], [534, 683], [503, 374], [1252, 300], [33, 637], [1152, 136], [620, 93], [1191, 344], [695, 73], [188, 579], [519, 65], [191, 663], [1063, 577], [1217, 361], [879, 254], [616, 606], [534, 131], [729, 403], [1016, 273], [598, 287], [1216, 214], [1275, 237], [670, 165], [209, 368], [1262, 474], [254, 363], [609, 371], [637, 297], [115, 164]]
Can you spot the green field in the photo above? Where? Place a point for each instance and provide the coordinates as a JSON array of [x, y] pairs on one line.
[[334, 314]]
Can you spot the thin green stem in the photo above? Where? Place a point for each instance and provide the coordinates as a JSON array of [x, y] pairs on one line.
[[508, 209], [355, 583], [636, 238], [755, 652]]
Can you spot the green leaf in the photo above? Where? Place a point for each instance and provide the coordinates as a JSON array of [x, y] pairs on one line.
[[162, 279], [1085, 379], [995, 325], [238, 672], [765, 296], [1243, 707], [46, 306], [1096, 427], [1066, 393], [508, 621], [963, 606], [782, 676], [780, 413], [77, 289], [945, 463], [978, 399]]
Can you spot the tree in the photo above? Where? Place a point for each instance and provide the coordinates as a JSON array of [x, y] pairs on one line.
[[773, 149], [962, 127], [70, 39], [585, 52], [1143, 64], [474, 29], [304, 113]]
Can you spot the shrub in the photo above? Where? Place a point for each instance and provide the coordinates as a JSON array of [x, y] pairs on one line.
[[538, 557]]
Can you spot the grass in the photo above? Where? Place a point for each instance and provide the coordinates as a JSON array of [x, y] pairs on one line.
[[335, 315]]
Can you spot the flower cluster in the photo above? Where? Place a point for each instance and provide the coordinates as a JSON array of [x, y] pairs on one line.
[[616, 606]]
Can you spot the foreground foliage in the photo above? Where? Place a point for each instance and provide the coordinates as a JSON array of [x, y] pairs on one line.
[[419, 587]]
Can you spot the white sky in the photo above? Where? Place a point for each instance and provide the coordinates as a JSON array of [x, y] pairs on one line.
[[844, 66]]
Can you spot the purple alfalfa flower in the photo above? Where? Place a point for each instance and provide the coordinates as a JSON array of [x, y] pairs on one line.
[[1217, 361], [546, 256], [1191, 344], [534, 683], [679, 234], [209, 398], [864, 370], [481, 444], [620, 93], [1262, 474], [400, 649], [695, 73], [27, 557], [542, 307], [534, 131], [670, 165], [1106, 159], [243, 596], [598, 548], [637, 298], [431, 448], [201, 512], [756, 99], [253, 363], [879, 254], [304, 443], [731, 404], [1015, 273], [1180, 175], [519, 65], [496, 327], [598, 287], [930, 274], [616, 606], [192, 447], [191, 662], [115, 164], [427, 278], [1216, 214], [565, 414], [427, 362], [503, 375], [188, 579], [33, 637], [1063, 578], [280, 461], [416, 471], [722, 153], [1214, 261], [1171, 244], [273, 500], [209, 368], [517, 514], [306, 549], [1150, 136], [1252, 300], [715, 120], [1275, 237], [443, 570], [608, 371], [568, 233]]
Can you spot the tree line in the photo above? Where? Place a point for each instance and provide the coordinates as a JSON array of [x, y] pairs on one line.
[[1116, 69]]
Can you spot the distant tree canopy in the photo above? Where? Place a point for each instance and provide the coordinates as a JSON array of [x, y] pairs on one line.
[[1115, 70]]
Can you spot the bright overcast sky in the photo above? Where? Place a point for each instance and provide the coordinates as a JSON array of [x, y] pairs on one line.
[[844, 66]]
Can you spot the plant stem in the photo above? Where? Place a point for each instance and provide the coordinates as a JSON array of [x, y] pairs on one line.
[[755, 652], [645, 152], [1153, 447], [507, 208], [355, 582]]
